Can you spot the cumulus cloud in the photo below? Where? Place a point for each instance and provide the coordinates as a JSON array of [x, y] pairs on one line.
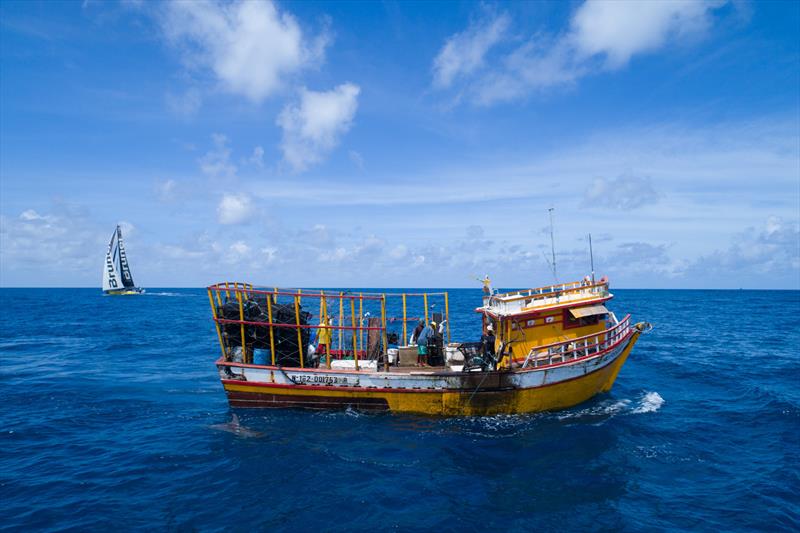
[[603, 34], [769, 253], [356, 158], [165, 190], [234, 209], [257, 159], [313, 126], [624, 192], [49, 248], [464, 52], [251, 47], [618, 29], [216, 163]]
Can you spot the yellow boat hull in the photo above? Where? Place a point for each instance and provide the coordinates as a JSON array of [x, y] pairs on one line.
[[495, 395]]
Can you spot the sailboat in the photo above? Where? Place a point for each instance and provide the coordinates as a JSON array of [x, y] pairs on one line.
[[117, 278]]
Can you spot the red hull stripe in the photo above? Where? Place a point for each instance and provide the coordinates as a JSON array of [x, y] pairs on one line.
[[257, 399]]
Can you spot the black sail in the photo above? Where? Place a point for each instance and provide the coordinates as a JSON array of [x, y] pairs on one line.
[[125, 271]]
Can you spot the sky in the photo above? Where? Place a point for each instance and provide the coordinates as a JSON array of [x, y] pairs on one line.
[[401, 144]]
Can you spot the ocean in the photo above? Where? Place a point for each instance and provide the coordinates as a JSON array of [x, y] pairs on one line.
[[108, 407]]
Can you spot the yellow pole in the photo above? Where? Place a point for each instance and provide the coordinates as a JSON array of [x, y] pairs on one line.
[[216, 292], [328, 336], [271, 334], [299, 333], [425, 299], [405, 333], [341, 318], [353, 322], [214, 312], [241, 325], [385, 344], [447, 316], [360, 321], [227, 292]]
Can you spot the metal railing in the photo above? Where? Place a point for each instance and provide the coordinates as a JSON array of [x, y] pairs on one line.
[[257, 313], [580, 347], [544, 296]]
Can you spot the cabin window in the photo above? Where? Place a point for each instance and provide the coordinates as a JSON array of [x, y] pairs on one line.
[[572, 322]]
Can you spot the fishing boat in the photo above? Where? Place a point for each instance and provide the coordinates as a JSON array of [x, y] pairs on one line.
[[117, 278], [540, 349]]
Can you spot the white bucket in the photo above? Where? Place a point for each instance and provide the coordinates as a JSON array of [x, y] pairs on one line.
[[393, 353], [453, 354]]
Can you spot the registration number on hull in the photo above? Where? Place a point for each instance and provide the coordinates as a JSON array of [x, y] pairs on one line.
[[313, 379]]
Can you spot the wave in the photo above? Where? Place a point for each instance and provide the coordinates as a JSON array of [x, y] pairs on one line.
[[651, 403]]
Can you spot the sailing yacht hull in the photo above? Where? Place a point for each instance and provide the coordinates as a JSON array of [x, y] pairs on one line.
[[126, 292]]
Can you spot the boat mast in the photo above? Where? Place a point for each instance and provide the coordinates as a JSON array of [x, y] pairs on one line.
[[553, 245], [591, 257]]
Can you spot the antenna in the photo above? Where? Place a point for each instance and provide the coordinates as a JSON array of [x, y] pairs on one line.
[[553, 245], [591, 257]]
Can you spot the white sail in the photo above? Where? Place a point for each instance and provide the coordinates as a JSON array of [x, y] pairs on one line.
[[116, 272], [111, 275]]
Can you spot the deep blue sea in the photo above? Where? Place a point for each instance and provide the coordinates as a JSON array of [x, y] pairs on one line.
[[107, 407]]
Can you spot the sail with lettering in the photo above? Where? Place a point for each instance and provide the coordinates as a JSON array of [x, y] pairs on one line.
[[117, 277]]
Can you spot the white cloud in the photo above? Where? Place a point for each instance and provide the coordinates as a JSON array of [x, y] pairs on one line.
[[625, 192], [464, 52], [216, 163], [234, 209], [357, 159], [50, 248], [165, 190], [769, 253], [257, 159], [602, 34], [313, 126], [30, 215], [251, 46], [620, 28]]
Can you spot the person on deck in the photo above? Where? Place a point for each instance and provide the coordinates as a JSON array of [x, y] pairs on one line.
[[323, 339], [488, 340], [416, 332], [422, 344]]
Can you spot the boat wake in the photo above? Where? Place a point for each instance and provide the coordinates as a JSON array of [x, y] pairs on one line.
[[649, 403]]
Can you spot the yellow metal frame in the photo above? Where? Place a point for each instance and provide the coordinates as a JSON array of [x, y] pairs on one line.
[[358, 326]]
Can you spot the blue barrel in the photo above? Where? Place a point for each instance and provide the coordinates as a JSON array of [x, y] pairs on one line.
[[261, 356]]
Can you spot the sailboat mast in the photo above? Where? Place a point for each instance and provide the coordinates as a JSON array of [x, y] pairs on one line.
[[591, 257]]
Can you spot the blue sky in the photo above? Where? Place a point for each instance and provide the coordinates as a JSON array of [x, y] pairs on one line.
[[401, 144]]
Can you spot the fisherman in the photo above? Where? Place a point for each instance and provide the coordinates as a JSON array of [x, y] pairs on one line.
[[416, 332], [487, 285], [488, 340], [422, 344], [323, 338], [435, 345]]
